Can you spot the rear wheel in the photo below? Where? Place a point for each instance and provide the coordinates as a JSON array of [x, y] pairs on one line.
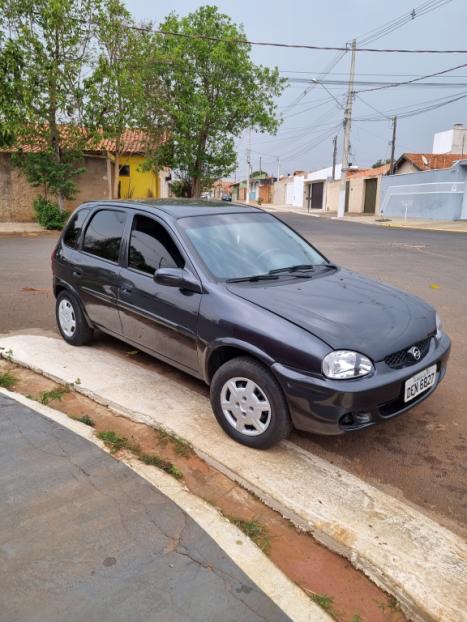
[[71, 321], [249, 404]]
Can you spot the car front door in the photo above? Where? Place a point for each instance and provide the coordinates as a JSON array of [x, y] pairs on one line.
[[96, 267], [159, 318]]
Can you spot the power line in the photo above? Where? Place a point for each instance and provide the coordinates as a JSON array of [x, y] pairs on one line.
[[395, 24], [330, 48], [430, 75], [372, 107], [303, 46], [417, 111], [409, 83]]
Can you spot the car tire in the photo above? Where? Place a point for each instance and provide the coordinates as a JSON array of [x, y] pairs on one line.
[[249, 404], [71, 322]]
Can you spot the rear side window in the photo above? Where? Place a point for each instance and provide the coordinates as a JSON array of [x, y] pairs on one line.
[[104, 234], [74, 227], [152, 247]]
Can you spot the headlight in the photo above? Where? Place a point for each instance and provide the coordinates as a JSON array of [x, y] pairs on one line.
[[344, 364], [439, 327]]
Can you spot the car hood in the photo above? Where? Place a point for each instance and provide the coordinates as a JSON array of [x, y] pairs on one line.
[[346, 310]]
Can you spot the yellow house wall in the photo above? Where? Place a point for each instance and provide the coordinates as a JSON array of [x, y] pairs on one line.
[[140, 184]]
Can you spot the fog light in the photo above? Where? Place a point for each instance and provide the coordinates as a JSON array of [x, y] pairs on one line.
[[362, 417]]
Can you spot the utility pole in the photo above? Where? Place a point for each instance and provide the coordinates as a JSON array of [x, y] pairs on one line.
[[393, 144], [248, 169], [334, 156], [260, 169], [347, 127], [278, 168]]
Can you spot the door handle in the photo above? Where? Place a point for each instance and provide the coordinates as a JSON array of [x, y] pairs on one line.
[[77, 273], [126, 290]]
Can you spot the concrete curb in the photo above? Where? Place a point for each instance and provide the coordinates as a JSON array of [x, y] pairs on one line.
[[364, 221], [404, 552], [257, 566]]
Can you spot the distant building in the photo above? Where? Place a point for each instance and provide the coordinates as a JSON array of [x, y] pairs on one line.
[[451, 141], [432, 193], [414, 162]]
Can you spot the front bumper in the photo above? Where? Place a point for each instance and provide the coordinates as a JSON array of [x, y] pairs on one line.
[[323, 406]]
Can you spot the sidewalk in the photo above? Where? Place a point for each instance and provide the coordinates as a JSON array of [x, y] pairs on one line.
[[84, 537], [458, 226], [403, 551], [15, 228]]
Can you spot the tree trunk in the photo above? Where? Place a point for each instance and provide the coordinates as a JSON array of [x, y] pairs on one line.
[[196, 188], [53, 125], [109, 175], [116, 175]]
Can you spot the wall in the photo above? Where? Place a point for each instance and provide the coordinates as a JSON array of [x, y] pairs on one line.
[[279, 192], [92, 184], [331, 199], [436, 195], [140, 184], [357, 195], [451, 141], [324, 173], [406, 167], [442, 141], [17, 196]]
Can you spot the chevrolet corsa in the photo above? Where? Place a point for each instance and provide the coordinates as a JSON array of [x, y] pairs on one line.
[[235, 297]]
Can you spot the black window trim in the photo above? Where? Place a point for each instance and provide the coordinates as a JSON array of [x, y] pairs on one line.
[[105, 208], [169, 230]]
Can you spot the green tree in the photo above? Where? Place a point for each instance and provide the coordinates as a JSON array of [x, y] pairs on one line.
[[115, 91], [380, 162], [52, 41], [211, 92]]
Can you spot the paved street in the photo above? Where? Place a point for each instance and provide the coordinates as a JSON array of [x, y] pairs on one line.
[[81, 533], [419, 455]]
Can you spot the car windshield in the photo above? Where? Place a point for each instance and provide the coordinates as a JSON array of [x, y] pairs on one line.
[[237, 246]]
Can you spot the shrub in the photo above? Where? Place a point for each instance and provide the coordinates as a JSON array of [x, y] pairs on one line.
[[48, 214]]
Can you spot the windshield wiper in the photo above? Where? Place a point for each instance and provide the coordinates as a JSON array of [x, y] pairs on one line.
[[297, 268], [253, 277]]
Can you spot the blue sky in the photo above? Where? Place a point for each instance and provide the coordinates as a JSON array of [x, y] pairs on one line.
[[305, 138]]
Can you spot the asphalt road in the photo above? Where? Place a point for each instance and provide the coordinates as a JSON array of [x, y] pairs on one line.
[[83, 537], [419, 456]]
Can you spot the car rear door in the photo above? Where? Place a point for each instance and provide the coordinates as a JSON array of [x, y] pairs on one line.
[[96, 268], [159, 318]]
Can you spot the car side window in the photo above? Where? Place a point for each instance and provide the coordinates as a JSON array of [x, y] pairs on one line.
[[104, 234], [152, 247], [74, 227]]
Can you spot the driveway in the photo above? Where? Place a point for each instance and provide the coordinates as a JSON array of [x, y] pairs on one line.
[[83, 537], [418, 456]]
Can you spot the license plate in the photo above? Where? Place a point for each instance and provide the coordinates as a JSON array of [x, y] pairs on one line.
[[419, 383]]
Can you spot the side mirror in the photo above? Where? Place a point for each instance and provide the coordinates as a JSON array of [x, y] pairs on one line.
[[178, 277]]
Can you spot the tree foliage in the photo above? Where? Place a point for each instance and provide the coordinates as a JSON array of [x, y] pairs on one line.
[[115, 91], [212, 91], [72, 71], [380, 162], [52, 42]]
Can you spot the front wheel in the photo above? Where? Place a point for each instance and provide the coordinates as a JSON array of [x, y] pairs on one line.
[[249, 404], [71, 321]]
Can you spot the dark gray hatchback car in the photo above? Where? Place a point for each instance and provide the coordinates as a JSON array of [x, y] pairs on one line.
[[235, 297]]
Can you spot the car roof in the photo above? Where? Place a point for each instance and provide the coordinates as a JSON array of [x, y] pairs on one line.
[[180, 208]]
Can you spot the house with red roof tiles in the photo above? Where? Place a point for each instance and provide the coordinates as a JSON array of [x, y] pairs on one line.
[[97, 182]]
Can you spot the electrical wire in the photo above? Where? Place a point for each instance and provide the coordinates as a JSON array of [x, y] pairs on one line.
[[430, 75], [388, 28]]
